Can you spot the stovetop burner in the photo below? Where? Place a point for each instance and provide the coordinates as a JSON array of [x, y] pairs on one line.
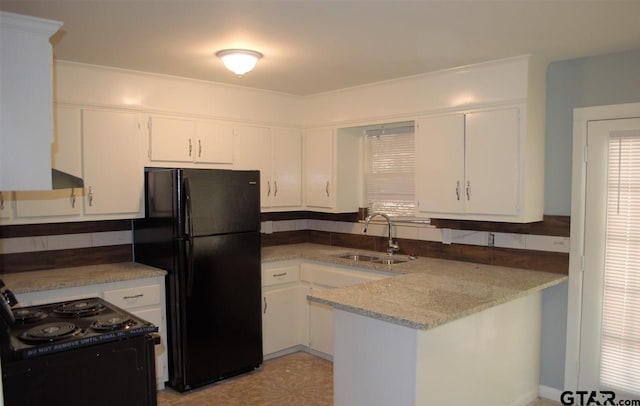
[[50, 332], [49, 328], [24, 315], [79, 308], [113, 323]]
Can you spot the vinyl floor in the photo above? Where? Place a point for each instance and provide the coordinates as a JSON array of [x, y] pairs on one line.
[[298, 379]]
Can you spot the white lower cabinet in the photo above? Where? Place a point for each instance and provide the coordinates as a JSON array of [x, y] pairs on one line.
[[321, 277], [143, 297], [289, 319], [320, 325], [284, 312], [283, 318]]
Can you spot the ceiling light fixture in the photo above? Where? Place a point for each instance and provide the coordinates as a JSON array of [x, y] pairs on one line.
[[239, 61]]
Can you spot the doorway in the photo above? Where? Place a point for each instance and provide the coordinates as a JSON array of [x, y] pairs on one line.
[[603, 325]]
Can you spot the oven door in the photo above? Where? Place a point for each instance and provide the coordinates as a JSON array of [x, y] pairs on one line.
[[115, 373]]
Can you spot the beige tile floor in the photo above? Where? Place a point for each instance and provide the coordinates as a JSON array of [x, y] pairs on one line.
[[296, 379]]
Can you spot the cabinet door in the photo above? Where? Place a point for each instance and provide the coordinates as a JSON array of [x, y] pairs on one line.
[[280, 321], [214, 142], [492, 162], [49, 203], [113, 173], [319, 158], [440, 164], [320, 325], [65, 156], [286, 167], [171, 139], [253, 151]]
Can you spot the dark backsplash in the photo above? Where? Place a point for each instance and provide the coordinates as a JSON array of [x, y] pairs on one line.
[[528, 259]]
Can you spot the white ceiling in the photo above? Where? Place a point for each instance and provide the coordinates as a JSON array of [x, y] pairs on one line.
[[313, 46]]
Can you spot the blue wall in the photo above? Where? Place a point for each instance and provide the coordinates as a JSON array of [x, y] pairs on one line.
[[585, 82]]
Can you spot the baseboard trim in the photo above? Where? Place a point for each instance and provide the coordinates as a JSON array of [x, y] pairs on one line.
[[548, 392]]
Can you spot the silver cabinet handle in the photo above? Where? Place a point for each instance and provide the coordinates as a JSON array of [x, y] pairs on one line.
[[133, 296], [90, 197], [265, 305], [327, 188], [458, 190], [468, 190], [276, 275], [72, 198], [190, 147], [275, 185], [199, 148], [1, 201], [268, 188]]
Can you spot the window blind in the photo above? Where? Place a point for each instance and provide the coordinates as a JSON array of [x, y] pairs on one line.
[[620, 341], [389, 177]]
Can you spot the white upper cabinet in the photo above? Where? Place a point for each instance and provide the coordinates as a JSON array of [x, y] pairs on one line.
[[333, 170], [286, 167], [26, 102], [319, 156], [171, 139], [440, 164], [112, 167], [277, 154], [492, 162], [473, 166], [187, 140], [253, 146], [66, 156], [214, 142]]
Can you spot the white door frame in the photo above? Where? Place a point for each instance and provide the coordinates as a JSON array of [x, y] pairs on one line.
[[581, 117]]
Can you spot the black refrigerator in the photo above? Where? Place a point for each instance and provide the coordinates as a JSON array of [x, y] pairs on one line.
[[203, 227]]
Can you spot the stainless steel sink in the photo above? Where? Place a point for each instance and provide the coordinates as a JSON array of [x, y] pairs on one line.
[[389, 261], [359, 257]]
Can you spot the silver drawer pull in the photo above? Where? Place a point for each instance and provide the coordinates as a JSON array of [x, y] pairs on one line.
[[275, 275], [134, 296]]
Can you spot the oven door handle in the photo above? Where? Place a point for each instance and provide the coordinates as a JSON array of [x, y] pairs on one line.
[[189, 219]]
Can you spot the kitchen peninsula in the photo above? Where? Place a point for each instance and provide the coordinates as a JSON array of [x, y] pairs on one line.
[[441, 332]]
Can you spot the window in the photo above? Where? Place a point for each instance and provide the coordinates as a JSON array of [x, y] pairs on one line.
[[390, 170], [620, 341]]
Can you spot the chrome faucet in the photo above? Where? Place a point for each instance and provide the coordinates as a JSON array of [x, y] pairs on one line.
[[393, 246]]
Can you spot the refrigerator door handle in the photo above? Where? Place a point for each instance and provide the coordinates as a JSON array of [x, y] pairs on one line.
[[189, 218]]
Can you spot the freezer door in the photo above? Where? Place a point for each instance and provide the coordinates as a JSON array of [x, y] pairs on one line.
[[223, 310], [221, 201]]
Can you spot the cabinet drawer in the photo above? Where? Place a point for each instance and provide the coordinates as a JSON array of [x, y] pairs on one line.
[[277, 276], [134, 297]]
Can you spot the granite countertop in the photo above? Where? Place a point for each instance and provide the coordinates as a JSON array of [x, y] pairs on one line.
[[34, 281], [426, 293]]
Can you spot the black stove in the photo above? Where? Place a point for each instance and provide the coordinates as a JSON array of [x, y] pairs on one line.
[[75, 353], [56, 327]]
